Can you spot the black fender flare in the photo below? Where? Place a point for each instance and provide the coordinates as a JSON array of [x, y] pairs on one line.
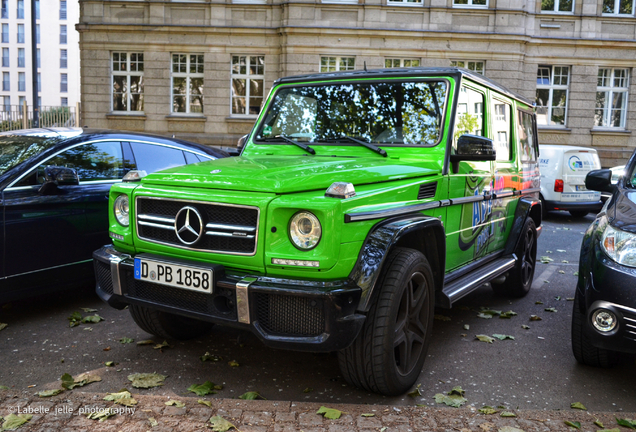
[[526, 207], [393, 232]]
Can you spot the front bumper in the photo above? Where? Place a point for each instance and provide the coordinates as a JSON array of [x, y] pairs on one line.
[[593, 206], [289, 314], [609, 285]]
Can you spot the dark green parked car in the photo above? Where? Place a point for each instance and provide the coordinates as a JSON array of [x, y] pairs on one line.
[[360, 201]]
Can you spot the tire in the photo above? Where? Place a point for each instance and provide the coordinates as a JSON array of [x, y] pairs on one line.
[[578, 213], [388, 354], [519, 279], [168, 325], [582, 349]]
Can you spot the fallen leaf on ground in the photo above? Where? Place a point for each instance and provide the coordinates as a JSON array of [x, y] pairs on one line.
[[202, 389], [570, 299], [565, 261], [609, 430], [629, 423], [89, 310], [101, 415], [233, 363], [509, 429], [176, 403], [578, 405], [204, 402], [561, 272], [308, 389], [153, 422], [126, 340], [210, 357], [49, 393], [69, 382], [507, 414], [525, 327], [162, 345], [538, 302], [122, 398], [598, 423], [546, 259], [503, 337], [367, 415], [75, 319], [251, 396], [441, 318], [219, 424], [507, 315], [416, 392], [487, 410], [466, 327], [110, 363], [146, 380], [105, 349], [329, 413], [92, 319], [3, 387], [451, 400], [550, 309], [13, 421], [3, 326], [573, 424], [484, 316], [146, 342], [484, 338], [561, 250], [535, 318]]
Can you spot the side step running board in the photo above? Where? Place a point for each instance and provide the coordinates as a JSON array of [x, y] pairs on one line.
[[473, 280]]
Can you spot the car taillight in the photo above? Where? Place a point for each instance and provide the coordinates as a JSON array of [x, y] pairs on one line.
[[558, 185]]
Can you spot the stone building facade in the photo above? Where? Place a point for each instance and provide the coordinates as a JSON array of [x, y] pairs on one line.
[[199, 69]]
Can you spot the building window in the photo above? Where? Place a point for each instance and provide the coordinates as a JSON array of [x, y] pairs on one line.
[[37, 9], [552, 95], [471, 3], [333, 64], [611, 98], [128, 81], [20, 9], [63, 83], [5, 57], [63, 39], [618, 7], [64, 101], [37, 33], [473, 65], [21, 101], [6, 103], [397, 62], [404, 2], [248, 78], [21, 81], [62, 9], [21, 60], [566, 6], [20, 33], [5, 33], [63, 59], [187, 83], [39, 83], [5, 9], [37, 55], [6, 81]]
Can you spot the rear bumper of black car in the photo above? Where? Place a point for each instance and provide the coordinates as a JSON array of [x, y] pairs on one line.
[[290, 314], [610, 286]]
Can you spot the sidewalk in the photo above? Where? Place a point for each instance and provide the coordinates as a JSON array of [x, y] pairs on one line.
[[62, 413]]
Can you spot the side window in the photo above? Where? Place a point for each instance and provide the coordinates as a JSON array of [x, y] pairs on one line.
[[501, 129], [191, 157], [152, 157], [93, 162], [527, 139], [470, 113]]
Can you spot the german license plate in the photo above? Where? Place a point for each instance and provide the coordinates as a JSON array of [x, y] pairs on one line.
[[174, 275], [581, 188]]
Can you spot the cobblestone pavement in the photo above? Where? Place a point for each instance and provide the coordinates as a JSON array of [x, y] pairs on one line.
[[68, 411]]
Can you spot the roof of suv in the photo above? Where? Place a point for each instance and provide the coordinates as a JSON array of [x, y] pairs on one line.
[[416, 71]]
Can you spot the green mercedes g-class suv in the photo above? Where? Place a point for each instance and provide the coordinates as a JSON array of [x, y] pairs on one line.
[[360, 201]]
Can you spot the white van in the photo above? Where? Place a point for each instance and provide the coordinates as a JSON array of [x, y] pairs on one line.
[[563, 170]]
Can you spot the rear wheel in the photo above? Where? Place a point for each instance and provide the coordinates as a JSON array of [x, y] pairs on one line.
[[388, 354], [578, 213], [584, 352], [519, 279], [168, 325]]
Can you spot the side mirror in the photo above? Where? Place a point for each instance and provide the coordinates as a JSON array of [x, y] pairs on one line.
[[600, 180], [474, 148], [241, 143], [61, 176]]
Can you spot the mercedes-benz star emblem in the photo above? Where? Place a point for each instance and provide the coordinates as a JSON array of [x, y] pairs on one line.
[[188, 225]]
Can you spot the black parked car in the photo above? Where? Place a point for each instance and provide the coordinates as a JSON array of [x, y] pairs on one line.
[[54, 187], [604, 316]]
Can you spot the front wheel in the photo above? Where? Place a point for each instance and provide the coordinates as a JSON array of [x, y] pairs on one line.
[[168, 325], [519, 279], [388, 354]]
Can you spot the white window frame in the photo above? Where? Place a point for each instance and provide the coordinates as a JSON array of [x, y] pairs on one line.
[[338, 1], [555, 9], [616, 8], [551, 87], [611, 90], [249, 1], [404, 3], [127, 73], [247, 76], [338, 59], [401, 62], [466, 63], [470, 5], [188, 76]]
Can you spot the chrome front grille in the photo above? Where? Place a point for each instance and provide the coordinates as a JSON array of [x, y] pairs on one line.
[[630, 325], [227, 228]]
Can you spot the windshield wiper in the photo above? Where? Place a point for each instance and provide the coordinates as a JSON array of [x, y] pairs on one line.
[[358, 141], [291, 141]]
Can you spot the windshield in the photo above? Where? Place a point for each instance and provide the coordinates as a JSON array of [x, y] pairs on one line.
[[375, 112], [15, 149]]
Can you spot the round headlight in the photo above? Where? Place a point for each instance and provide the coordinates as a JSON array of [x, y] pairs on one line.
[[305, 230], [121, 210]]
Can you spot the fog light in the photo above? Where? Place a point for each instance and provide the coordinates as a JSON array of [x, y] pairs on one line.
[[604, 320]]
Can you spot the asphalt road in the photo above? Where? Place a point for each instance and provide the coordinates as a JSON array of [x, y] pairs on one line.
[[536, 370]]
